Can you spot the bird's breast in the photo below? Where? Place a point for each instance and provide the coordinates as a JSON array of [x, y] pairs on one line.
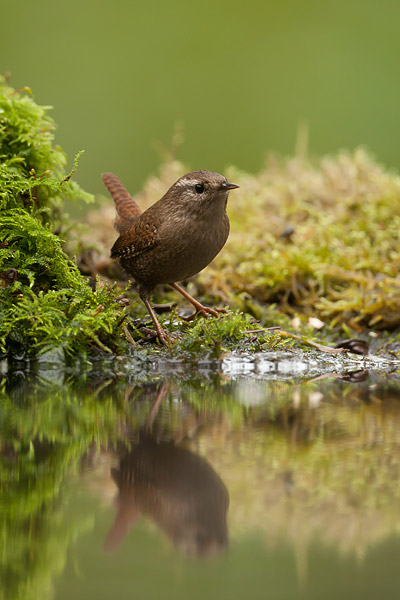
[[184, 246], [196, 243]]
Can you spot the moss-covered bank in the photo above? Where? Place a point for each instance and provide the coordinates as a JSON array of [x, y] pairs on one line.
[[45, 302], [307, 240]]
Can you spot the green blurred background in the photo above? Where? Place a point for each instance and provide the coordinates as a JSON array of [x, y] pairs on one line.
[[240, 76]]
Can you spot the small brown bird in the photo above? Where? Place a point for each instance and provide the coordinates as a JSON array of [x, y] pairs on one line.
[[173, 239]]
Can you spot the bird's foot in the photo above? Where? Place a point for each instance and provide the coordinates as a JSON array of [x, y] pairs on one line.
[[152, 334], [204, 311], [163, 338], [200, 308]]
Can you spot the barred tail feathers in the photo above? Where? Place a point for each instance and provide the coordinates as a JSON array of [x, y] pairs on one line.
[[127, 208]]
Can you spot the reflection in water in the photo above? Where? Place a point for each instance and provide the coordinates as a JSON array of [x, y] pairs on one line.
[[177, 490], [308, 464], [355, 376]]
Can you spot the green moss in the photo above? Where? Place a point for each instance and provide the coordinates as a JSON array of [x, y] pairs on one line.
[[32, 169], [231, 331], [341, 261], [50, 304]]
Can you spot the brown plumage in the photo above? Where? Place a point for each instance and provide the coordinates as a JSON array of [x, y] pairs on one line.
[[127, 208], [173, 239]]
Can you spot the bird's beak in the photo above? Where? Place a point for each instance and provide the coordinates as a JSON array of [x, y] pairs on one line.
[[229, 186]]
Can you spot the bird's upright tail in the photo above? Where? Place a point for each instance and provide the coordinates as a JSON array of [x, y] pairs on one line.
[[127, 208]]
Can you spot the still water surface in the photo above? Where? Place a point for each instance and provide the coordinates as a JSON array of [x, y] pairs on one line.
[[196, 484]]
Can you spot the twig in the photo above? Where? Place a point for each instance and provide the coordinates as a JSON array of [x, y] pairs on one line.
[[308, 342], [262, 329], [128, 335]]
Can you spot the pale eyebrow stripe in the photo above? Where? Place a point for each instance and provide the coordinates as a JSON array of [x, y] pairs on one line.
[[184, 182]]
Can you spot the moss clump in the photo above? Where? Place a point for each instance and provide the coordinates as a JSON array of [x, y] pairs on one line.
[[230, 331], [32, 168], [322, 239], [48, 304]]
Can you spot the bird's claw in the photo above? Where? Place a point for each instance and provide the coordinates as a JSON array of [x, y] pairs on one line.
[[204, 311], [162, 336]]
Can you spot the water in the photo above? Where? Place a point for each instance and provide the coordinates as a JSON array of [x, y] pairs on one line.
[[263, 479]]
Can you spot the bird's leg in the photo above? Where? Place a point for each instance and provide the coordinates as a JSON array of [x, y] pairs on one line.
[[145, 297], [204, 310]]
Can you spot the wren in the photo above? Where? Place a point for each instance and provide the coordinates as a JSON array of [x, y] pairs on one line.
[[175, 238]]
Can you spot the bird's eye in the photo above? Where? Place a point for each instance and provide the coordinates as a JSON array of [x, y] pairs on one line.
[[199, 187]]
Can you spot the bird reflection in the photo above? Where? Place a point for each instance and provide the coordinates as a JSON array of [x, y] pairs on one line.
[[177, 490]]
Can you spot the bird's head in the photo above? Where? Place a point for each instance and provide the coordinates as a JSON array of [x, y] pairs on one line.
[[200, 189]]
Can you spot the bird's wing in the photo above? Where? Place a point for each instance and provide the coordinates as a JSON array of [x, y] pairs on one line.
[[127, 208], [137, 239]]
